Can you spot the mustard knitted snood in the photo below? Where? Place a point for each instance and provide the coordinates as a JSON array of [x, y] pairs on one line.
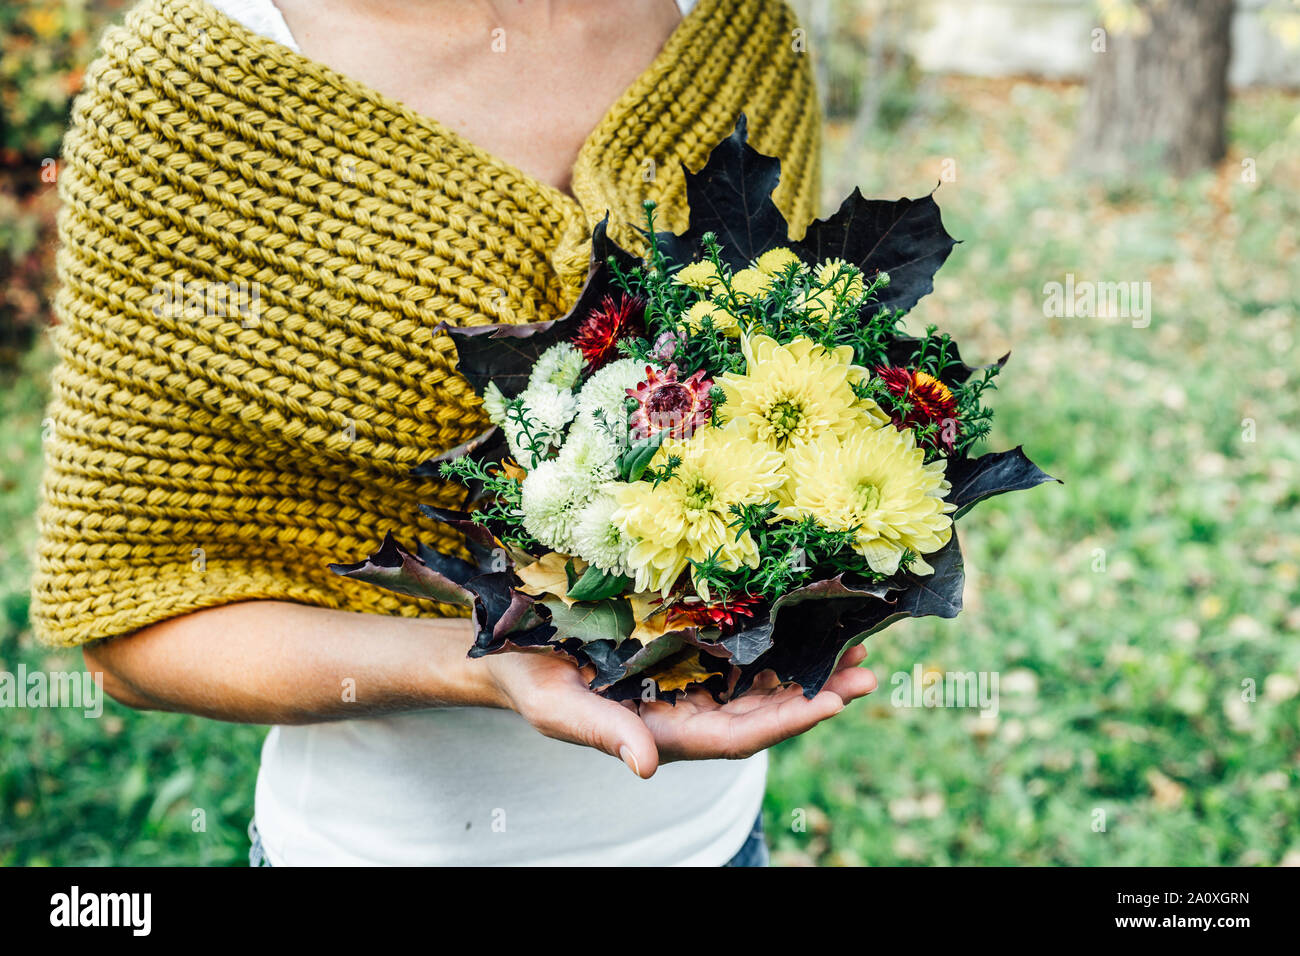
[[256, 251]]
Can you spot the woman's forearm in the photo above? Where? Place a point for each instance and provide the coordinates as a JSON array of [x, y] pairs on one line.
[[271, 662], [275, 662]]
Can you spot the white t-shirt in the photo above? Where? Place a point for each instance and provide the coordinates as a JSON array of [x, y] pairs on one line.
[[475, 786]]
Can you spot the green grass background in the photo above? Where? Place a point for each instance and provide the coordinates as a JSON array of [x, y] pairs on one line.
[[1122, 690]]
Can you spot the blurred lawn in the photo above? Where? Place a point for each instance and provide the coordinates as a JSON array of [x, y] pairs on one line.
[[1122, 689]]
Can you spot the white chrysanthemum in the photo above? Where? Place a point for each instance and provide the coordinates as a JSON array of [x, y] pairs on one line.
[[535, 420], [560, 365], [551, 505], [597, 540], [589, 453], [606, 390], [550, 406], [516, 443], [494, 404]]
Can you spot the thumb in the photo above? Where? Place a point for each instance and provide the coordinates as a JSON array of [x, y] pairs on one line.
[[587, 718]]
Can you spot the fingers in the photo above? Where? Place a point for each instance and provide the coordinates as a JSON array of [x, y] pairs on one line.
[[552, 695], [728, 732], [643, 737], [851, 683], [583, 717], [788, 714], [766, 682], [852, 657], [759, 719]]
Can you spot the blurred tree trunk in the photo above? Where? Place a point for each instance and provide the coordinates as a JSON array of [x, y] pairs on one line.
[[1159, 91], [820, 29], [890, 22]]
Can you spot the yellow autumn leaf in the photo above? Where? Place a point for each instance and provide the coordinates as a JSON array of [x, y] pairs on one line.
[[685, 672], [547, 575], [651, 621], [656, 625], [519, 558], [645, 604]]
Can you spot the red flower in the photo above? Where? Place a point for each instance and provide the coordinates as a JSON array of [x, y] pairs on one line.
[[725, 614], [667, 405], [598, 335], [930, 401]]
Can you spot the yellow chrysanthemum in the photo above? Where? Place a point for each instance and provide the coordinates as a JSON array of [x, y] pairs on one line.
[[749, 284], [840, 276], [792, 394], [723, 320], [868, 407], [686, 518], [774, 262], [701, 276], [841, 285], [875, 480], [821, 304]]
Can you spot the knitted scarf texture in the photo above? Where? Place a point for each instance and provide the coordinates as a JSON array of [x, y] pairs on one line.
[[256, 251]]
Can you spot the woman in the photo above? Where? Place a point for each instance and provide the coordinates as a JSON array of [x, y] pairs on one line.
[[262, 226]]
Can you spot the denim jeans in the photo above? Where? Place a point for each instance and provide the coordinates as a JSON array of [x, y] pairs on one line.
[[752, 853]]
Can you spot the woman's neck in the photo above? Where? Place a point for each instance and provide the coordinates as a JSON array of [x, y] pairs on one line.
[[525, 80]]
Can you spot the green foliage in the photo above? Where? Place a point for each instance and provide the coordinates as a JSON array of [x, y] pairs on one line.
[[597, 585], [120, 788], [1121, 689], [603, 619], [1130, 611], [500, 507], [27, 230], [46, 44], [786, 311], [634, 463], [975, 416], [794, 553], [44, 47]]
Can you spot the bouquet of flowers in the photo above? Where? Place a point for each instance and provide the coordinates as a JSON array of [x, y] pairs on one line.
[[726, 458]]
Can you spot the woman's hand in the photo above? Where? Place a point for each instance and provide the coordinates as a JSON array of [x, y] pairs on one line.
[[274, 662], [552, 694], [549, 692], [699, 728]]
